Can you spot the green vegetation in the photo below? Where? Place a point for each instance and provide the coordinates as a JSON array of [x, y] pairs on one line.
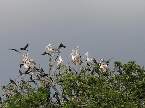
[[85, 83]]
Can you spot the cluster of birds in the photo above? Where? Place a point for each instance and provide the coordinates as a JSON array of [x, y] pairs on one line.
[[32, 75], [77, 59]]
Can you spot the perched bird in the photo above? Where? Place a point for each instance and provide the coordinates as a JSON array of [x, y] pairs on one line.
[[3, 87], [88, 64], [69, 69], [27, 62], [103, 67], [31, 77], [32, 80], [21, 65], [41, 70], [101, 60], [13, 82], [46, 53], [43, 75], [61, 46], [24, 82], [26, 66], [50, 49], [25, 47], [91, 60], [20, 72], [87, 57], [60, 61], [88, 69], [73, 55], [28, 71], [76, 57], [65, 98], [56, 95], [95, 61]]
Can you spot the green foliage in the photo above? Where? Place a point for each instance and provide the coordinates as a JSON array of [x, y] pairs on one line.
[[35, 99], [113, 91], [81, 84], [126, 90]]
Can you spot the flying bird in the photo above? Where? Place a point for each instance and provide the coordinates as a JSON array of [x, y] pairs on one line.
[[15, 50], [61, 46], [25, 47]]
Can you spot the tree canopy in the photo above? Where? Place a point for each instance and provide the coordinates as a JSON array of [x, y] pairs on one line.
[[78, 82]]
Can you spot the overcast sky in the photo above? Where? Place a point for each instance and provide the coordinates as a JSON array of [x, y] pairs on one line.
[[105, 28]]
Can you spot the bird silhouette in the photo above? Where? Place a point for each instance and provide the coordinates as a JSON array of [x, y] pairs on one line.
[[45, 53], [65, 98], [61, 46], [41, 70], [13, 82], [3, 87], [69, 69], [21, 65], [94, 61], [56, 95], [20, 72], [15, 50], [31, 77], [25, 47], [43, 75], [27, 71], [32, 80]]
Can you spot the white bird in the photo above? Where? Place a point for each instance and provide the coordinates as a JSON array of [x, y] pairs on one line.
[[77, 50], [104, 67], [102, 60], [75, 55], [87, 57], [60, 60], [26, 66], [27, 61], [50, 49]]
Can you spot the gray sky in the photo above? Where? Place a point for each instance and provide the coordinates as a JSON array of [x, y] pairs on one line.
[[105, 28]]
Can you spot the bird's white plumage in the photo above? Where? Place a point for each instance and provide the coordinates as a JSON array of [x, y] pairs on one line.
[[75, 56], [60, 60], [104, 67]]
